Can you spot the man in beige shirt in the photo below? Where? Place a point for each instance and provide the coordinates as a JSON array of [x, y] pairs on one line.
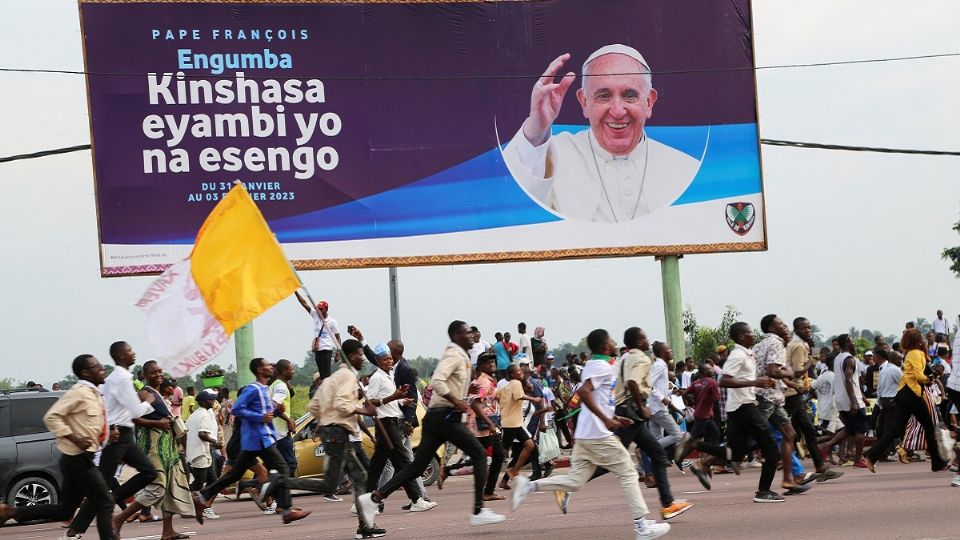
[[335, 407], [800, 362], [79, 421], [444, 422]]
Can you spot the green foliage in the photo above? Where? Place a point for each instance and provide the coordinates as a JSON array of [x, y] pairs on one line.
[[953, 254], [68, 381], [423, 365], [7, 383], [702, 341]]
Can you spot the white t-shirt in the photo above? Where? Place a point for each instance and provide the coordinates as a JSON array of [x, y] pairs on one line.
[[198, 450], [685, 379], [941, 326], [603, 377], [476, 350], [953, 382], [279, 393], [826, 410], [526, 348], [741, 364], [548, 394], [382, 385], [327, 341], [840, 397]]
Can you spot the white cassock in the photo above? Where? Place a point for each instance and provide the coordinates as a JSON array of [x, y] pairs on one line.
[[569, 177]]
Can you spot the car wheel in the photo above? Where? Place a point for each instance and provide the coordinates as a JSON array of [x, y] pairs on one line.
[[31, 491], [431, 473]]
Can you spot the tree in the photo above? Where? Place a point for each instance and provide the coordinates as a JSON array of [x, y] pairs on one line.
[[953, 254], [7, 383], [703, 340], [68, 381]]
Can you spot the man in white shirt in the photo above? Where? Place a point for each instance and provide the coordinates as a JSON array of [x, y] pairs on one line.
[[523, 341], [849, 401], [940, 324], [123, 405], [201, 437], [478, 346], [659, 400], [887, 386], [744, 421], [326, 335], [282, 394], [596, 444], [383, 393], [612, 172]]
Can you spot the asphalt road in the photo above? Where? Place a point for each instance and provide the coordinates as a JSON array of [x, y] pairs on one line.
[[902, 502]]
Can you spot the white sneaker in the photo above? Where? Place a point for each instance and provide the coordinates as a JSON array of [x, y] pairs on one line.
[[353, 508], [522, 486], [956, 481], [646, 529], [65, 536], [271, 510], [367, 508], [422, 505], [208, 513], [486, 517]]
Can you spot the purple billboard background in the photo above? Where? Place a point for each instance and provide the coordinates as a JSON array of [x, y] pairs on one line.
[[418, 88]]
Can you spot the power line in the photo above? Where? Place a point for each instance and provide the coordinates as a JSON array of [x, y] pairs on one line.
[[495, 77], [821, 146], [45, 153], [769, 142]]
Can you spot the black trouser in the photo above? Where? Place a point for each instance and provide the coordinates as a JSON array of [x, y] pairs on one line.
[[389, 445], [888, 412], [123, 450], [202, 476], [439, 426], [496, 462], [323, 360], [800, 418], [910, 404], [954, 398], [80, 479], [706, 429], [285, 446], [639, 433], [744, 424], [536, 470], [272, 460], [340, 455]]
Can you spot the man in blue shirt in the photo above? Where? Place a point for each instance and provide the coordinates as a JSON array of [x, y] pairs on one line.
[[256, 410], [503, 356]]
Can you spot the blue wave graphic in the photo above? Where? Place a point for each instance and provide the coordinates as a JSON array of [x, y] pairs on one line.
[[480, 193]]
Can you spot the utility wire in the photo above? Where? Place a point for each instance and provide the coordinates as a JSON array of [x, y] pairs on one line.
[[45, 153], [495, 77], [769, 142]]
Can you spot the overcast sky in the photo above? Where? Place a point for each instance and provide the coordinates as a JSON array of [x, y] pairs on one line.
[[855, 238]]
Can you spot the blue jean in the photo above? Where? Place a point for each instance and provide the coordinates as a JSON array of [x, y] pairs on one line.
[[795, 465], [285, 446]]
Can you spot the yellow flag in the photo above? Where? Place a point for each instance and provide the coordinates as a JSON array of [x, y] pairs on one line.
[[237, 264]]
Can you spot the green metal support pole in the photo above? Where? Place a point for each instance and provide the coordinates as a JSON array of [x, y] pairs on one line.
[[243, 339], [672, 304]]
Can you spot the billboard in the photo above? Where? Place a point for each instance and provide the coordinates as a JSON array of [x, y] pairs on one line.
[[407, 133]]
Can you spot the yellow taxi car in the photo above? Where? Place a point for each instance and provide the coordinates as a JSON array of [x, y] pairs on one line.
[[311, 459]]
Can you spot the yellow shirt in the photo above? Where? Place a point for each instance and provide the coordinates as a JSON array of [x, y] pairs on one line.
[[80, 410], [188, 406], [511, 410], [913, 366]]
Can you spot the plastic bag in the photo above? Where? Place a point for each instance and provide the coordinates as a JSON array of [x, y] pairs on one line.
[[549, 446]]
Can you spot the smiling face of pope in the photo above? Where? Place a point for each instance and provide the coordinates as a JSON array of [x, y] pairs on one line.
[[617, 101]]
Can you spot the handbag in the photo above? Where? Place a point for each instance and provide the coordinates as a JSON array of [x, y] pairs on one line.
[[178, 426], [549, 446]]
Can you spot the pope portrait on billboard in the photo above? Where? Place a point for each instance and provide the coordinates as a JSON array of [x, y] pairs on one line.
[[611, 172]]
